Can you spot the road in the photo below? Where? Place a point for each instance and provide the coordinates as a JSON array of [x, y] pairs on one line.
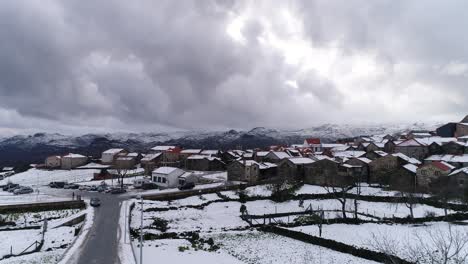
[[101, 244]]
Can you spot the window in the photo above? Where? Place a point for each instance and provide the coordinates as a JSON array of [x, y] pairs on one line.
[[437, 173], [164, 180], [461, 182]]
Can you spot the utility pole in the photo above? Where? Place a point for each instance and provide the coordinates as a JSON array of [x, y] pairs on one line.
[[141, 230]]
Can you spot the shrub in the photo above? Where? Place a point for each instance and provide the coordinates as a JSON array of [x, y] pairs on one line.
[[160, 224]]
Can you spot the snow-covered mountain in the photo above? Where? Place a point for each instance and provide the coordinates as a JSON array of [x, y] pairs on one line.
[[34, 148]]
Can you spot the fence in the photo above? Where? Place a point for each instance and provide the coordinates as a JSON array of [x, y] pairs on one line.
[[36, 207]]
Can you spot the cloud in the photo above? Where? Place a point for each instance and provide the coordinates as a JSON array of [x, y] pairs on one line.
[[88, 65]]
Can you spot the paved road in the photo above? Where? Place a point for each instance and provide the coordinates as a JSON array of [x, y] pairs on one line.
[[101, 244]]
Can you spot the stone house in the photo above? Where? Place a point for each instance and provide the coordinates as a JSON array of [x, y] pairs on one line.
[[363, 163], [430, 173], [53, 162], [412, 148], [458, 181], [151, 161], [376, 154], [453, 148], [404, 178], [204, 163], [260, 156], [389, 146], [276, 156], [462, 129], [293, 168], [321, 172], [459, 161], [381, 170], [250, 171]]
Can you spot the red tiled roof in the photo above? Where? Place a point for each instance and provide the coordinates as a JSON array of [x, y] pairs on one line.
[[441, 166], [313, 141]]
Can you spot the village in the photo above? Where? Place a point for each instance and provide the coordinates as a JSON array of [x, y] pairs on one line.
[[415, 161], [399, 198]]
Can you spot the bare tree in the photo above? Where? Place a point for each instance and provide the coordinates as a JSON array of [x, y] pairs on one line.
[[121, 173], [340, 193], [432, 246], [410, 200]]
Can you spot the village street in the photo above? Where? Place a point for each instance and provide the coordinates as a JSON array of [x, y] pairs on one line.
[[101, 243]]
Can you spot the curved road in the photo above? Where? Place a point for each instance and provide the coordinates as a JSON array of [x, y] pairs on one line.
[[101, 243]]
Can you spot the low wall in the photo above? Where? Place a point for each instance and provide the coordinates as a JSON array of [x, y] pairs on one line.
[[188, 193], [37, 207], [337, 246]]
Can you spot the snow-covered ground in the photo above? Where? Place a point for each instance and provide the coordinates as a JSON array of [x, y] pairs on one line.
[[36, 197], [263, 248], [34, 177], [167, 251], [368, 235]]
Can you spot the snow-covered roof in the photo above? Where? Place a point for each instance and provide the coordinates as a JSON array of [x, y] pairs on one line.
[[113, 151], [93, 165], [438, 140], [349, 153], [165, 170], [411, 167], [132, 154], [150, 157], [163, 148], [7, 169], [281, 154], [381, 153], [464, 170], [406, 158], [410, 143], [301, 160], [72, 155], [210, 152], [366, 160], [442, 165], [191, 151], [200, 157], [262, 153], [449, 158]]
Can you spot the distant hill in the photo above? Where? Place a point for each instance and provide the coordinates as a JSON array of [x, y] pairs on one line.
[[21, 149]]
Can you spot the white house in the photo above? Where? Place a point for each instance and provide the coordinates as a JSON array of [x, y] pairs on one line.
[[53, 162], [71, 161], [109, 155], [167, 177]]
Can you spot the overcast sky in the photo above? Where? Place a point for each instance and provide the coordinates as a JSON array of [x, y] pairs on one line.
[[83, 66]]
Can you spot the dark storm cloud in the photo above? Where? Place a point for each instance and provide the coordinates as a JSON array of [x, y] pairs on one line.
[[172, 63]]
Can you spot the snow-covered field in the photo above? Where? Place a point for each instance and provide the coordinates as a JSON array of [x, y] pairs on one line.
[[263, 248], [34, 177], [9, 198], [56, 237], [398, 236]]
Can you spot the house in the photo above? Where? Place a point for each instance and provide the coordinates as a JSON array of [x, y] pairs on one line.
[[453, 148], [167, 177], [459, 161], [370, 146], [447, 130], [259, 156], [389, 146], [276, 156], [382, 169], [204, 163], [110, 155], [184, 154], [161, 149], [313, 143], [412, 148], [53, 162], [376, 154], [458, 181], [150, 161], [293, 168], [363, 164], [71, 161], [188, 177], [321, 172], [250, 171], [127, 161], [419, 134], [404, 178], [210, 152], [462, 128], [171, 157], [430, 173]]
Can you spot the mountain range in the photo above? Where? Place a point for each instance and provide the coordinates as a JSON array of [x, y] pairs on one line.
[[25, 149]]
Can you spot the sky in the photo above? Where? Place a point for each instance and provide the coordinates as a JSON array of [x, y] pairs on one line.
[[101, 66]]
